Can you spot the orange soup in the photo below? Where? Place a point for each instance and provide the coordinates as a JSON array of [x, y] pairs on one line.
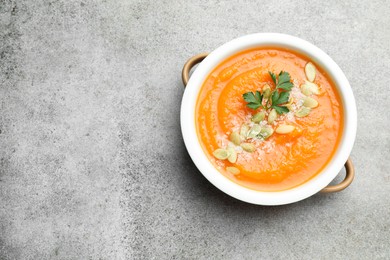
[[269, 119]]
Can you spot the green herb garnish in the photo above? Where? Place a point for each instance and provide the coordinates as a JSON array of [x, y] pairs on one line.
[[283, 82], [279, 96], [254, 99]]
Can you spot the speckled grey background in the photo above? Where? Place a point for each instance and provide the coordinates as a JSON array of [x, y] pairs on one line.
[[93, 165]]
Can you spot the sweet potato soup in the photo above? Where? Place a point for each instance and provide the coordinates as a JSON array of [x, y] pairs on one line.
[[269, 119]]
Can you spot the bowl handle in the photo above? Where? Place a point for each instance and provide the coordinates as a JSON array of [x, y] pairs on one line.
[[349, 175], [185, 74], [350, 172]]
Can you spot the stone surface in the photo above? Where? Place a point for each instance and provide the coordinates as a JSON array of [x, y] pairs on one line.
[[93, 165]]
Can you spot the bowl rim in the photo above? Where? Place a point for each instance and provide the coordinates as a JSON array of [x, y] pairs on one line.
[[198, 156]]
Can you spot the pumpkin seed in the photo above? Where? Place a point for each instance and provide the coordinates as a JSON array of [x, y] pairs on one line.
[[272, 116], [302, 112], [221, 154], [266, 132], [235, 137], [232, 155], [310, 71], [244, 130], [258, 117], [285, 129], [306, 90], [250, 148], [233, 170], [255, 130], [266, 91], [309, 88], [310, 102]]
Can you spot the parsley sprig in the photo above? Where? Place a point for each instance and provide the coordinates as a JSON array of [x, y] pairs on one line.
[[278, 97]]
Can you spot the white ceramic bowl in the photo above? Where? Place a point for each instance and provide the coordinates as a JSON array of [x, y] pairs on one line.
[[235, 190]]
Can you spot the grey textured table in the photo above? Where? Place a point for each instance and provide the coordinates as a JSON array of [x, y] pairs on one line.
[[93, 165]]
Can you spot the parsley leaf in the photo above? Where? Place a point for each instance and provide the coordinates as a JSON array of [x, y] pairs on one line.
[[275, 97], [273, 76], [253, 106], [284, 77], [259, 97], [249, 97], [281, 110], [285, 86], [283, 98], [278, 99], [254, 99], [284, 81]]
